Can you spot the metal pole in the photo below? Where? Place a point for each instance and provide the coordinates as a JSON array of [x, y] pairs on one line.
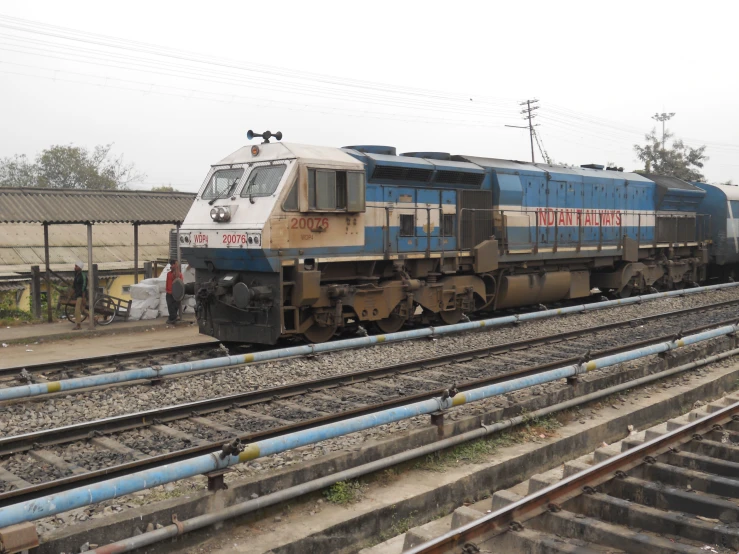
[[179, 267], [36, 292], [37, 389], [113, 488], [135, 253], [90, 279], [248, 506], [48, 273], [531, 131]]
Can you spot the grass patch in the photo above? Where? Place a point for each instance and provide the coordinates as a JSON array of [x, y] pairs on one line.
[[480, 451], [345, 492], [397, 527], [10, 317], [387, 476]]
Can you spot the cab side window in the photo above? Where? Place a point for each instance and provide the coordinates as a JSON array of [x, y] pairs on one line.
[[330, 190], [291, 201]]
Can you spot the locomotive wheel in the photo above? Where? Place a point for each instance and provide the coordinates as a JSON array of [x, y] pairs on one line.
[[316, 333], [626, 291], [452, 317], [391, 324]]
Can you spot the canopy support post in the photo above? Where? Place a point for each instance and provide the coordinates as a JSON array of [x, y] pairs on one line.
[[48, 273], [90, 279], [135, 253]]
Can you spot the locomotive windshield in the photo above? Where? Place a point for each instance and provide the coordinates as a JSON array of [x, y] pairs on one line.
[[263, 180], [222, 183]]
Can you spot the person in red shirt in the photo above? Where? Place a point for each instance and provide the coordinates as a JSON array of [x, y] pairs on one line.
[[173, 306]]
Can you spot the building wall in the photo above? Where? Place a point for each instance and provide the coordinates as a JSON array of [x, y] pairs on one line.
[[112, 286]]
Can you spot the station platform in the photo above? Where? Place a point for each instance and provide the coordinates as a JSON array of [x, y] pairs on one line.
[[48, 342]]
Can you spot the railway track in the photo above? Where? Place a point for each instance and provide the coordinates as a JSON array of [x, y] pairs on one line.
[[93, 365], [674, 489], [48, 372], [188, 363], [52, 460]]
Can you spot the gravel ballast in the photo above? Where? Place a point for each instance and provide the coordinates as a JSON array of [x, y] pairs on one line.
[[21, 417]]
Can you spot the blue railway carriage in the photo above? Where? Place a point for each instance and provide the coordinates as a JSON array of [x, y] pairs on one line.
[[721, 204], [307, 241]]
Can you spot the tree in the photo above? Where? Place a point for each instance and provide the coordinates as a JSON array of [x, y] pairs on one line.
[[164, 188], [70, 167], [681, 161], [18, 172]]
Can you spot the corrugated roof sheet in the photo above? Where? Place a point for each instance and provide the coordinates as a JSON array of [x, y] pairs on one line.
[[22, 245], [13, 285], [35, 205]]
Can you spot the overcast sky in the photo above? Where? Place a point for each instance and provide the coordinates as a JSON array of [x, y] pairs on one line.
[[176, 85]]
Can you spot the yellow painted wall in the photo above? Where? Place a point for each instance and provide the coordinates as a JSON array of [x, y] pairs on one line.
[[112, 286], [25, 302]]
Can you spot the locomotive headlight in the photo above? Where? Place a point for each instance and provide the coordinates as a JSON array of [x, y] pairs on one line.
[[220, 213]]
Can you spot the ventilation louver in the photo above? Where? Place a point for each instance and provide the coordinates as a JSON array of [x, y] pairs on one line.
[[459, 178], [395, 173]]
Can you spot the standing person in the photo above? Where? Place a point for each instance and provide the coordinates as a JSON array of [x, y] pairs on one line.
[[173, 306], [80, 288]]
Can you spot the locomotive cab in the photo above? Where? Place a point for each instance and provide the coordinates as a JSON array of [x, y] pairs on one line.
[[263, 208]]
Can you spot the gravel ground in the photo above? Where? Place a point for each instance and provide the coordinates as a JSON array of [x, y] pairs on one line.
[[89, 456], [73, 408], [32, 470], [146, 439], [200, 431], [150, 442]]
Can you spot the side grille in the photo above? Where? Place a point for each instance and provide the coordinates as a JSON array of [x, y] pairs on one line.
[[459, 178], [402, 173]]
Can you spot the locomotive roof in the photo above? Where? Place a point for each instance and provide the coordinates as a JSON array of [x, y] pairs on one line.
[[497, 163], [289, 150], [730, 191]]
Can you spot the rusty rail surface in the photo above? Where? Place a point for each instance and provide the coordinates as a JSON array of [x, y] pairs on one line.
[[83, 431], [551, 497]]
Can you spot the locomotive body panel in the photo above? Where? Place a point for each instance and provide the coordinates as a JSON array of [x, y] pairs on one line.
[[301, 240], [721, 203]]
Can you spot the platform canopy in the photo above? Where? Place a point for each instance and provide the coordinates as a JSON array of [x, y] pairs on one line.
[[54, 206]]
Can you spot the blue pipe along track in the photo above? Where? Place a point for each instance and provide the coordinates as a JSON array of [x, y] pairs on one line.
[[83, 496], [156, 372]]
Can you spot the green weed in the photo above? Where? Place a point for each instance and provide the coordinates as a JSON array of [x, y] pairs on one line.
[[345, 492]]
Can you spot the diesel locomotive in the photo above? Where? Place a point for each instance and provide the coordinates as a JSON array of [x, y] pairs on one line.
[[307, 241]]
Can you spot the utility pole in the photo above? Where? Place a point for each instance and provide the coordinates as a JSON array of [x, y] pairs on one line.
[[663, 117], [528, 114]]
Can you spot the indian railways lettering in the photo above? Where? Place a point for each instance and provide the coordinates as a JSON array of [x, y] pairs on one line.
[[549, 217]]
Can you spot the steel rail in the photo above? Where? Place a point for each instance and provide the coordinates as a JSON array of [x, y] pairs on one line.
[[573, 486], [214, 517], [84, 430], [233, 454], [479, 352], [87, 430], [73, 365], [157, 372]]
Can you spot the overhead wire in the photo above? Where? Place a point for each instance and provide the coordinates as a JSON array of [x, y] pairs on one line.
[[114, 53], [63, 33]]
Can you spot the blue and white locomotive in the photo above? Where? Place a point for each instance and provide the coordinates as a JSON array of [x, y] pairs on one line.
[[298, 240]]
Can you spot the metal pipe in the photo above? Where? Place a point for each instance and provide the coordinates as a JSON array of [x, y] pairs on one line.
[[212, 518], [24, 391], [113, 488]]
